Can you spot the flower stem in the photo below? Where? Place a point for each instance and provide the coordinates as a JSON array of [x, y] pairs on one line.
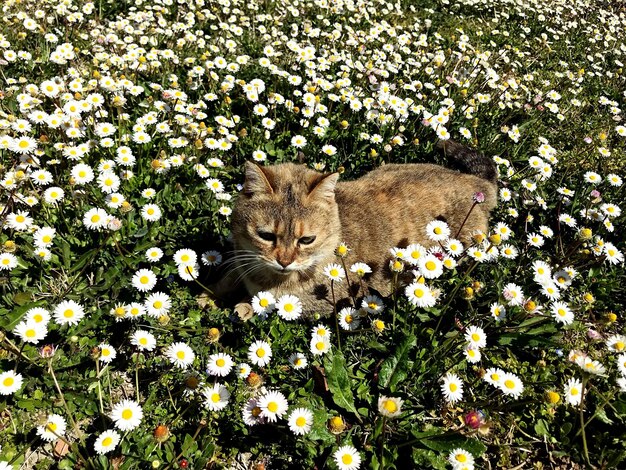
[[137, 376], [582, 421], [99, 386], [332, 292], [465, 220], [62, 397]]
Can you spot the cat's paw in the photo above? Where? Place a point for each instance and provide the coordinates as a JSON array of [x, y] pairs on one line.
[[244, 311]]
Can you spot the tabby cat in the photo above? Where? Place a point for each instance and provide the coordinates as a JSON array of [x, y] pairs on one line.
[[288, 221]]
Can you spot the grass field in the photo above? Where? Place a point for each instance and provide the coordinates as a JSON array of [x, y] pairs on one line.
[[124, 126]]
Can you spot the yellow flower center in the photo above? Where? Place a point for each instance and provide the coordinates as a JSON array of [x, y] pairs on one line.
[[300, 421], [157, 304], [272, 406], [619, 345], [20, 218], [419, 293], [46, 239], [143, 341], [95, 218], [260, 352], [68, 313], [220, 362], [415, 254], [30, 333], [8, 381], [561, 312], [475, 336], [319, 345], [288, 308], [51, 427], [180, 354], [215, 397], [346, 459], [23, 144], [348, 319], [334, 272], [390, 406], [150, 211], [264, 303], [574, 392], [144, 279], [509, 384], [461, 458], [453, 387], [431, 265], [106, 442], [183, 258], [127, 414], [495, 377]]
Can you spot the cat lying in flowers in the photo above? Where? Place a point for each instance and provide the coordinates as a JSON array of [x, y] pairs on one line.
[[295, 230]]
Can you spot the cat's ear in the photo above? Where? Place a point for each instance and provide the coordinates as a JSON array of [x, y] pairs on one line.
[[323, 186], [258, 180]]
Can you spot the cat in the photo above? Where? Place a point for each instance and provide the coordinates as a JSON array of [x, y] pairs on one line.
[[288, 221]]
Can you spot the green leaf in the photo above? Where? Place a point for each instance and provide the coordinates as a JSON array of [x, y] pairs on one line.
[[394, 369], [339, 382], [424, 458], [541, 428]]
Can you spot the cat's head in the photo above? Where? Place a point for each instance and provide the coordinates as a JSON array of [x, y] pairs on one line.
[[285, 219]]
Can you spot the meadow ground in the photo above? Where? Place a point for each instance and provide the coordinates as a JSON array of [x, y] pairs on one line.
[[124, 126]]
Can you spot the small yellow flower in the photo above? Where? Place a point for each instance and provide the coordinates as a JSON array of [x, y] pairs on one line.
[[553, 397], [336, 424]]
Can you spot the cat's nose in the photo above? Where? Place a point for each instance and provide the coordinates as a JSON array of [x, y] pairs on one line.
[[284, 262]]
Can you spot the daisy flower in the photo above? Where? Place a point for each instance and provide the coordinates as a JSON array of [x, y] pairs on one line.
[[273, 405], [10, 382], [510, 384], [334, 272], [144, 340], [8, 261], [497, 311], [19, 221], [96, 218], [454, 247], [420, 295], [157, 304], [219, 364], [430, 266], [144, 280], [189, 272], [476, 337], [263, 303], [320, 345], [300, 421], [216, 397], [68, 312], [347, 458], [53, 428], [372, 304], [289, 307], [151, 212], [590, 366], [211, 258], [473, 355], [44, 236], [573, 390], [106, 441], [616, 343], [513, 293], [180, 354], [298, 361], [437, 230], [185, 257], [452, 388], [562, 313], [260, 353], [154, 254], [38, 315], [348, 319], [251, 413], [30, 331], [460, 458], [391, 407], [243, 370], [107, 353], [127, 415], [493, 376], [321, 330]]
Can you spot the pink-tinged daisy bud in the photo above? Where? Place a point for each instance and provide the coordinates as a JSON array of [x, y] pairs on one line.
[[478, 197], [474, 419]]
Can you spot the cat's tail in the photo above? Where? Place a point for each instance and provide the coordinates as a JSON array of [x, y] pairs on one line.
[[468, 160]]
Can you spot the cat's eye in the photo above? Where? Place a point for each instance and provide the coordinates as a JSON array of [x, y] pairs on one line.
[[267, 236], [306, 240]]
